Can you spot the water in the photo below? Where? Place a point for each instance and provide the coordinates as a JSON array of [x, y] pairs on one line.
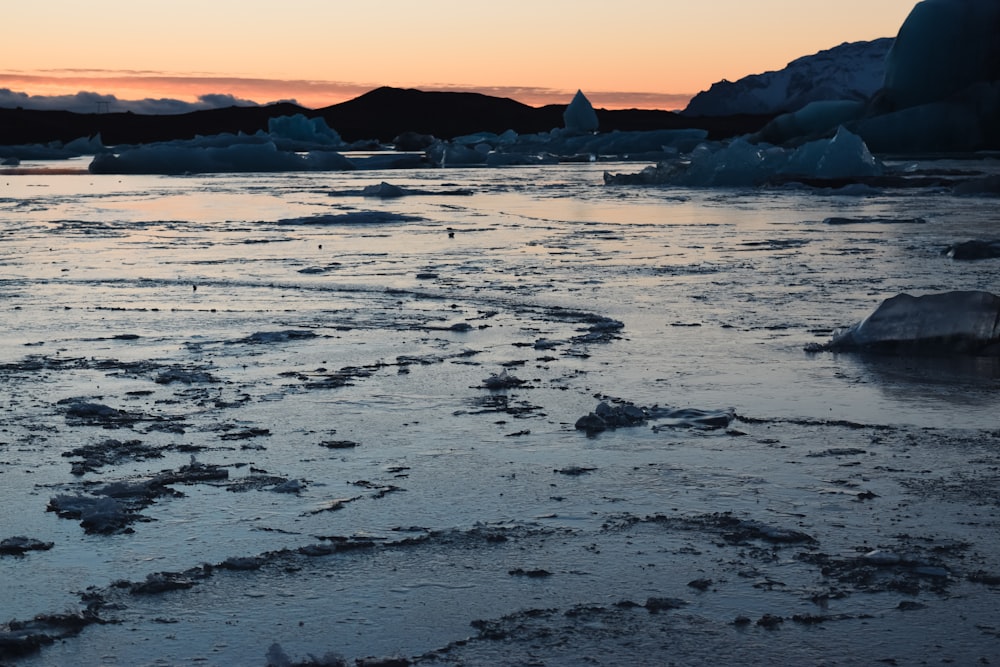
[[301, 313]]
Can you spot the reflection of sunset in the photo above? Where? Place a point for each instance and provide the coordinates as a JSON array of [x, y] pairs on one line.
[[646, 54]]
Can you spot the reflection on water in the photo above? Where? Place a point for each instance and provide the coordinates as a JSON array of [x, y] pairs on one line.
[[965, 381]]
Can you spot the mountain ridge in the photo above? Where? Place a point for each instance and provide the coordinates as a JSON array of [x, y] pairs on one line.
[[380, 114]]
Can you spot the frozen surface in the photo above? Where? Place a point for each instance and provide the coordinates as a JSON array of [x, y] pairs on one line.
[[247, 409]]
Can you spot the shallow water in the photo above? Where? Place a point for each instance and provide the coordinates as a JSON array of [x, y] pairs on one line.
[[253, 321]]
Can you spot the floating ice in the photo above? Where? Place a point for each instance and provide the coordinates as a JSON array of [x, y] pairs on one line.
[[299, 128], [740, 163], [18, 546], [56, 150], [383, 190], [844, 157], [964, 322], [973, 250], [580, 116], [239, 157], [503, 380], [606, 416], [292, 143]]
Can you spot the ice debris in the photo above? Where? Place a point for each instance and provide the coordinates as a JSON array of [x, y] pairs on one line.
[[20, 545], [502, 380], [606, 416]]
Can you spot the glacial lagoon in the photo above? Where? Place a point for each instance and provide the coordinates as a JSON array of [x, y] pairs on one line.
[[267, 418]]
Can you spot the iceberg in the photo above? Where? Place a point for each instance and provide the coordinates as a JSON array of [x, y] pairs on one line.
[[940, 91], [579, 115], [943, 47], [741, 163], [962, 322], [812, 120], [299, 128], [174, 158], [292, 143]]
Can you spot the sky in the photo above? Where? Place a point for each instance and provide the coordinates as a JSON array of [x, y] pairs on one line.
[[652, 54]]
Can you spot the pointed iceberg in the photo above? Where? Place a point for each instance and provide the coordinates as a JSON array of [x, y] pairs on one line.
[[580, 116]]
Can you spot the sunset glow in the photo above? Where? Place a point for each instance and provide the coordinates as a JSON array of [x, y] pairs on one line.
[[648, 54]]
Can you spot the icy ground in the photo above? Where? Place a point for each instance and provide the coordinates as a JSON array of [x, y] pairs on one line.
[[247, 410]]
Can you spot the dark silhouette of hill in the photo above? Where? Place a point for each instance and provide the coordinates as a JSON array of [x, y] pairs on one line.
[[385, 113], [380, 114], [27, 126]]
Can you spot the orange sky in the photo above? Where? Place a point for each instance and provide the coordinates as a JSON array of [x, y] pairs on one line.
[[623, 53]]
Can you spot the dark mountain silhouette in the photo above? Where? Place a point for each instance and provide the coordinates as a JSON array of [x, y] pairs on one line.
[[27, 126], [380, 114]]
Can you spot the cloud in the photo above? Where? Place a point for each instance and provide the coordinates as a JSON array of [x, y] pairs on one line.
[[91, 102], [140, 91]]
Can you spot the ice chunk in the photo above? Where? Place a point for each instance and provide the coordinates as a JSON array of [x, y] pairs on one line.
[[580, 116], [300, 128], [237, 157], [455, 155], [383, 190], [741, 163], [963, 322], [844, 157]]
